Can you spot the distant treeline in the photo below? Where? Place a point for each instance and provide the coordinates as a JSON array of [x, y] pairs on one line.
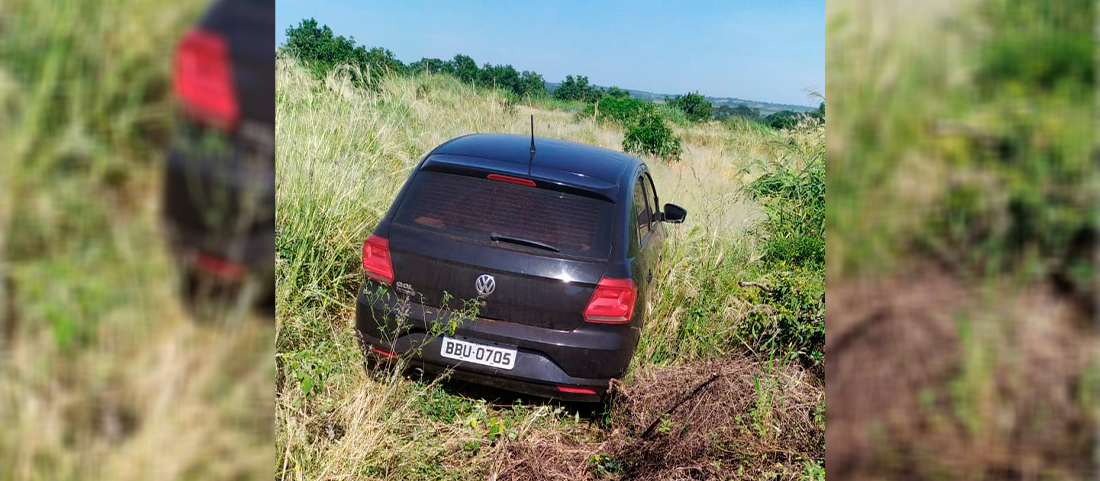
[[780, 120], [321, 51]]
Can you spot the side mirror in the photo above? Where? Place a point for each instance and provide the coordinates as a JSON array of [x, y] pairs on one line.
[[673, 214]]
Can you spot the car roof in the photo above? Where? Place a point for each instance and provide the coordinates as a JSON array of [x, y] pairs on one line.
[[555, 160]]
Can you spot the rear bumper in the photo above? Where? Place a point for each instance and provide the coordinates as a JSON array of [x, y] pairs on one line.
[[220, 204], [546, 360]]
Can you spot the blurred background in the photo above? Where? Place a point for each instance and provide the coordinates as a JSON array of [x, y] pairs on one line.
[[126, 353], [960, 227]]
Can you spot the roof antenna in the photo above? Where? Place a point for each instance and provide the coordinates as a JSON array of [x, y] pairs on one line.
[[532, 159]]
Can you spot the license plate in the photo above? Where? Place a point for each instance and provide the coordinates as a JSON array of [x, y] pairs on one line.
[[478, 353]]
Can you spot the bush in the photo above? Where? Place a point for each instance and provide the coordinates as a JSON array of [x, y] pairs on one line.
[[790, 317], [623, 110], [794, 201], [806, 250], [725, 111], [673, 115], [1056, 47], [650, 135], [694, 105]]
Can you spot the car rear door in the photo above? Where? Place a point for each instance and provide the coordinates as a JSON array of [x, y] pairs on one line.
[[649, 238]]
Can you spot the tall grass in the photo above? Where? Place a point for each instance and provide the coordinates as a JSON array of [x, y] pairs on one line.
[[102, 374], [343, 154], [961, 239]]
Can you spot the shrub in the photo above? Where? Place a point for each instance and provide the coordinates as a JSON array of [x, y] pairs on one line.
[[725, 111], [650, 135], [694, 105], [791, 315], [673, 115], [783, 120], [624, 110], [617, 92], [794, 201]]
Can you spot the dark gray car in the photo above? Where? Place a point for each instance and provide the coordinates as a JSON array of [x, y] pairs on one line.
[[219, 177], [559, 246]]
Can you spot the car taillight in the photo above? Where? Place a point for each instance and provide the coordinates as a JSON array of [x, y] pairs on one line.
[[613, 301], [383, 352], [219, 267], [204, 79], [511, 180], [576, 390], [376, 259]]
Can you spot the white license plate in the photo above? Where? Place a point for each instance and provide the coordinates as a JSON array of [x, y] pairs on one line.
[[478, 353]]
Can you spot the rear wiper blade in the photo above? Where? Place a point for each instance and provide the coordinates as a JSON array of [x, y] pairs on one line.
[[522, 241]]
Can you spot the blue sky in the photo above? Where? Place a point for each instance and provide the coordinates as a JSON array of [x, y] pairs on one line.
[[750, 49]]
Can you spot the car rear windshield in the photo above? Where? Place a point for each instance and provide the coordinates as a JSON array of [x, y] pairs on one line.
[[478, 209]]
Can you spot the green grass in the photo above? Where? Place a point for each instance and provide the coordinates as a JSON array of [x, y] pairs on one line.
[[998, 134], [105, 376], [343, 154], [961, 153]]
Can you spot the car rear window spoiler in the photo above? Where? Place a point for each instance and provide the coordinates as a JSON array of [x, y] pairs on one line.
[[544, 178]]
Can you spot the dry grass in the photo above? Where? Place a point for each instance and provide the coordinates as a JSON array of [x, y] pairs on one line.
[[102, 374], [953, 352], [705, 420], [343, 154]]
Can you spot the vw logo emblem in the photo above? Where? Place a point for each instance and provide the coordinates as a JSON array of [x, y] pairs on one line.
[[485, 285]]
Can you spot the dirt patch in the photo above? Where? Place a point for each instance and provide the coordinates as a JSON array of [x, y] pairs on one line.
[[710, 420], [934, 378]]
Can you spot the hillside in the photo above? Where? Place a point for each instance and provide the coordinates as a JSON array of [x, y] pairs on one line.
[[727, 380], [765, 108]]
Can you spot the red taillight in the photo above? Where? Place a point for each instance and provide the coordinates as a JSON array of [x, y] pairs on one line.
[[376, 259], [204, 79], [511, 180], [613, 301], [219, 267], [383, 352], [576, 390]]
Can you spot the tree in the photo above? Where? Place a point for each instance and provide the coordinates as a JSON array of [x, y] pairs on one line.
[[317, 47], [570, 89], [741, 110], [783, 120], [594, 95], [464, 68], [382, 60], [500, 76], [617, 92], [532, 85], [577, 89], [428, 65], [321, 51], [694, 105]]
